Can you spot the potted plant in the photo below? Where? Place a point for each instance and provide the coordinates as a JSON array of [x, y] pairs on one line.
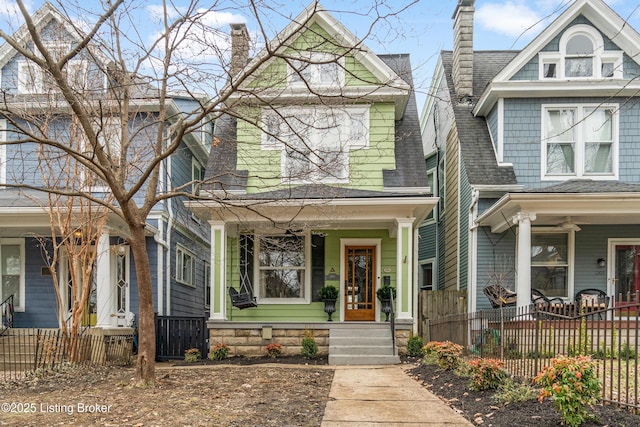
[[329, 294], [385, 293]]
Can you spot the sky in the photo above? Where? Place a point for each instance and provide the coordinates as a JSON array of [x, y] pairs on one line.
[[421, 29]]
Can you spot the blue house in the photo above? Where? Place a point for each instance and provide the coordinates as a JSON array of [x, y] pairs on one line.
[[177, 243], [534, 154]]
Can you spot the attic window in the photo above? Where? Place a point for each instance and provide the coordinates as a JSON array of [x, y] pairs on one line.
[[315, 69], [581, 55]]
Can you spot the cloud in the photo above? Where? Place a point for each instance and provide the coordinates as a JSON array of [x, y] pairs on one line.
[[508, 18]]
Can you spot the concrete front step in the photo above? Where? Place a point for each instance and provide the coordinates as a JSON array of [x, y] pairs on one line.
[[367, 344]]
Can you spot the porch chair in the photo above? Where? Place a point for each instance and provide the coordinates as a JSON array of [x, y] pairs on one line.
[[548, 305], [499, 296], [591, 300]]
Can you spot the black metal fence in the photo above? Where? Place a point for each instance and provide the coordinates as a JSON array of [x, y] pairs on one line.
[[176, 334], [527, 338], [24, 351]]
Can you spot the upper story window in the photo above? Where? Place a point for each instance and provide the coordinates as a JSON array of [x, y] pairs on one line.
[[316, 69], [197, 176], [581, 56], [282, 262], [580, 141], [315, 141], [33, 80]]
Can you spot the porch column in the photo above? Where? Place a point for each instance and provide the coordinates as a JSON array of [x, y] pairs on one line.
[[105, 295], [523, 276], [218, 303], [404, 263]]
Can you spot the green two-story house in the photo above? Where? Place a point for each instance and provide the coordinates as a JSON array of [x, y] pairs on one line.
[[316, 178]]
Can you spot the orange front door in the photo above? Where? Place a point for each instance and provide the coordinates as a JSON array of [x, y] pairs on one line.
[[359, 301]]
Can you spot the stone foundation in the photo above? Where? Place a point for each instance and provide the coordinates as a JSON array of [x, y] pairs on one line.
[[250, 339]]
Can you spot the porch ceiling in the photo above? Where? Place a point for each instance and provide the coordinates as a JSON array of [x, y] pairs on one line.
[[352, 213], [557, 209]]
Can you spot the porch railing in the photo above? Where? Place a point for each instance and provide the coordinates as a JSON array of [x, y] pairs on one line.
[[7, 310], [527, 338]]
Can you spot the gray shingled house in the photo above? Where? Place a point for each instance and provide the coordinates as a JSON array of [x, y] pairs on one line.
[[534, 155]]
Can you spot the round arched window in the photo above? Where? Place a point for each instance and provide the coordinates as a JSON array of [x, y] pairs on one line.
[[579, 56]]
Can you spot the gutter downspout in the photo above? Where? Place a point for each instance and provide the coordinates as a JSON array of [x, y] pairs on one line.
[[473, 253]]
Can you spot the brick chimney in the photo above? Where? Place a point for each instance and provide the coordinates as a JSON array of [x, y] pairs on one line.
[[463, 48], [239, 48]]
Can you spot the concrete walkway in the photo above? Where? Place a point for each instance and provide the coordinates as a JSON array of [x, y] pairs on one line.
[[384, 396]]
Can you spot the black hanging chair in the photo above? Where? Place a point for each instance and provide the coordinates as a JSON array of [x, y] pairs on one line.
[[244, 297]]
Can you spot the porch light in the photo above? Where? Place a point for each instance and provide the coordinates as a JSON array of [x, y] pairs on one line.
[[601, 262]]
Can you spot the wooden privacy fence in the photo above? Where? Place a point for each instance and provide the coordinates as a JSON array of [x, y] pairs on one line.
[[24, 351], [437, 304], [527, 338]]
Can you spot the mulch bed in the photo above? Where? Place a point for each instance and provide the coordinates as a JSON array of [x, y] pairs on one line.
[[260, 360], [481, 408]]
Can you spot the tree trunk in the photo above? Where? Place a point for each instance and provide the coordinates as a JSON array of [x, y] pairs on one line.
[[146, 368]]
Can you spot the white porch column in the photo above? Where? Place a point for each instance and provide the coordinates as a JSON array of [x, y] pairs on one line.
[[218, 303], [523, 277], [404, 266], [105, 294]]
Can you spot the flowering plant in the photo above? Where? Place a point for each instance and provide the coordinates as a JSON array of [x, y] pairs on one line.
[[219, 352], [273, 350], [486, 374], [192, 355], [447, 353], [573, 384]]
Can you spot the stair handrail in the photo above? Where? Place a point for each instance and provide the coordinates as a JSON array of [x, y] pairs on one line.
[[7, 309], [392, 314]]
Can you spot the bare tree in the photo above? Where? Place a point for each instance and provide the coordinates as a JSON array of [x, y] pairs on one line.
[[118, 91]]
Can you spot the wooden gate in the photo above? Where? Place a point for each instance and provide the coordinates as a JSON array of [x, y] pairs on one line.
[[175, 334]]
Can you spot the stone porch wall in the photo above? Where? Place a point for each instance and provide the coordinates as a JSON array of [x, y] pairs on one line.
[[250, 339]]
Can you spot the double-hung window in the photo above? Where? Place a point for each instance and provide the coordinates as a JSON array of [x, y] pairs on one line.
[[282, 262], [580, 141], [315, 141], [551, 254], [185, 267], [315, 70]]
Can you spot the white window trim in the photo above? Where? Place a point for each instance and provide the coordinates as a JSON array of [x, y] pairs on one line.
[[24, 67], [21, 304], [579, 149], [313, 59], [181, 250], [307, 273], [571, 236], [3, 151], [316, 139], [195, 187], [599, 56]]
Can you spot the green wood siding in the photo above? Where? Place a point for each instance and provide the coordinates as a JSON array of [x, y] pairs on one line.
[[365, 165]]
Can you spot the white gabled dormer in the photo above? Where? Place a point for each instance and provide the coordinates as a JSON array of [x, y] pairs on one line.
[[579, 66]]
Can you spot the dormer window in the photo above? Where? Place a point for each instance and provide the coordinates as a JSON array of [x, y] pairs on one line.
[[581, 55], [316, 69]]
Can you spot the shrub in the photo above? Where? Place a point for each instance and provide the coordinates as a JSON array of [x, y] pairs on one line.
[[429, 354], [309, 345], [448, 354], [328, 292], [573, 385], [486, 374], [414, 346], [514, 392], [219, 352], [273, 350], [192, 355]]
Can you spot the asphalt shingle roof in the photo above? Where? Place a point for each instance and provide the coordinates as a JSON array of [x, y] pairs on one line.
[[588, 186], [477, 149]]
